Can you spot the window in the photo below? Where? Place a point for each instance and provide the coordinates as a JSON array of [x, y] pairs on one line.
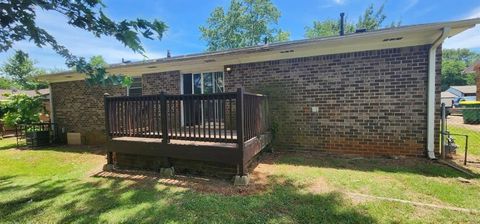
[[136, 88], [203, 83]]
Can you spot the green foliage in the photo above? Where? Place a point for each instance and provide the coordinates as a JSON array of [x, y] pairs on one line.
[[452, 74], [246, 23], [21, 109], [21, 72], [17, 22], [6, 83], [454, 62], [326, 28], [281, 36], [460, 54], [370, 20], [98, 61], [96, 70]]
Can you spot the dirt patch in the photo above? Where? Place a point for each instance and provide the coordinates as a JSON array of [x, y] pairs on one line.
[[473, 162], [259, 181], [356, 200], [320, 186]]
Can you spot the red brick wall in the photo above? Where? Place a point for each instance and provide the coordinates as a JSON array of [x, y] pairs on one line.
[[79, 108], [370, 103], [155, 83]]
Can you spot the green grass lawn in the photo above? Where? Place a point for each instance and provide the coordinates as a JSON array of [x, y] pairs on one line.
[[473, 139], [59, 185]]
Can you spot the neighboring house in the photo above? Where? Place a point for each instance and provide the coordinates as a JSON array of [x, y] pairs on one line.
[[473, 68], [374, 93], [43, 93], [464, 91], [447, 98]]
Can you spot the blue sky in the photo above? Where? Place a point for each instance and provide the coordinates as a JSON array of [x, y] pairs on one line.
[[185, 16]]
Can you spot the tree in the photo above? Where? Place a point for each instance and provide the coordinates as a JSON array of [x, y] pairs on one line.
[[20, 70], [370, 20], [454, 62], [21, 109], [281, 36], [17, 22], [6, 83], [98, 68], [461, 54], [452, 74], [246, 23], [98, 60], [325, 28]]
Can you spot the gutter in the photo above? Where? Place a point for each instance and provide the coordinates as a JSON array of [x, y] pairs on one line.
[[431, 93]]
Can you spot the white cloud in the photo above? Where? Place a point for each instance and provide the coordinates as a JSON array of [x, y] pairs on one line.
[[339, 2], [469, 38]]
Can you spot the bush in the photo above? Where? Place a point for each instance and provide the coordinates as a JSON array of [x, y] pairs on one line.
[[21, 109]]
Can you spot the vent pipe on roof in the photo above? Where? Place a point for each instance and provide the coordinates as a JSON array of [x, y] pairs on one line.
[[342, 24]]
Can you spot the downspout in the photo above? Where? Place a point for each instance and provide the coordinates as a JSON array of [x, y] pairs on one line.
[[431, 93]]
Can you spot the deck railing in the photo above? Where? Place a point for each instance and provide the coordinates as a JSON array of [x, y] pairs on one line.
[[202, 117]]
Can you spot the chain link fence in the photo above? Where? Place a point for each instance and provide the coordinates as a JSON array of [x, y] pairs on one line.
[[460, 134]]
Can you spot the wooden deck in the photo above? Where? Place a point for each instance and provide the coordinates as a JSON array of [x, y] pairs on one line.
[[176, 142], [195, 132], [220, 152], [226, 128]]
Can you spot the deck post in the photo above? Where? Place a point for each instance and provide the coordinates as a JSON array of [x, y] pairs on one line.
[[240, 130], [109, 165], [107, 115], [163, 117]]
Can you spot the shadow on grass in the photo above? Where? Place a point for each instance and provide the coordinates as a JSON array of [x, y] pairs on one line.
[[418, 166], [119, 200]]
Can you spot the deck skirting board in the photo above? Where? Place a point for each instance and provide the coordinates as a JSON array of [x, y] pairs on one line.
[[144, 151]]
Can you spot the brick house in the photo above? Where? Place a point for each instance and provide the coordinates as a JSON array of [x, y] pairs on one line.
[[371, 93]]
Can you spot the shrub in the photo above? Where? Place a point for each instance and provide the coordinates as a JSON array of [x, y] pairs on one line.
[[21, 109]]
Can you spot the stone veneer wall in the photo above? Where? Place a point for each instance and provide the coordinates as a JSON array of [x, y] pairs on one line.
[[370, 103], [79, 108]]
